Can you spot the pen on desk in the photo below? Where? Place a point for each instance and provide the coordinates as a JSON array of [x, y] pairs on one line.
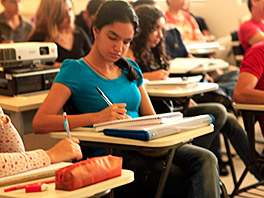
[[104, 96], [66, 124], [24, 186]]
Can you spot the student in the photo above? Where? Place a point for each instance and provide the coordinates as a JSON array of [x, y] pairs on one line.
[[250, 84], [13, 27], [55, 23], [183, 21], [121, 80], [151, 57], [14, 159], [86, 17], [252, 31]]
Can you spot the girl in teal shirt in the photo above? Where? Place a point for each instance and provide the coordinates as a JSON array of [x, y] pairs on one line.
[[121, 81]]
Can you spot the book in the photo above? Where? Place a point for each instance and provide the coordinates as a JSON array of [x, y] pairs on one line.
[[175, 83], [185, 65], [39, 173], [140, 121], [150, 132]]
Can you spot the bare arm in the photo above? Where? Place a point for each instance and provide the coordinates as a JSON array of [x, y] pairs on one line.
[[47, 118], [256, 38], [245, 91], [146, 107]]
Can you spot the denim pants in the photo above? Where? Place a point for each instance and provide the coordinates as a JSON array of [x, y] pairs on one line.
[[194, 174]]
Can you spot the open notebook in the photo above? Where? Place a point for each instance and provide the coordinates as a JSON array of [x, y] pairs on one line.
[[175, 83], [39, 173], [140, 121], [150, 132]]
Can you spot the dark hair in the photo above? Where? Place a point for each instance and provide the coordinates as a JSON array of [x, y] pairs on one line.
[[249, 5], [93, 6], [143, 2], [155, 57], [118, 11]]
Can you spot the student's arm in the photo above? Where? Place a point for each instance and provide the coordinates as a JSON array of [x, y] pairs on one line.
[[256, 38], [47, 118], [146, 107], [160, 74], [245, 91]]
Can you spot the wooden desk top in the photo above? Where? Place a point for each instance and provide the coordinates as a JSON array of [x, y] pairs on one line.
[[22, 103], [176, 93], [84, 134], [126, 177], [254, 107]]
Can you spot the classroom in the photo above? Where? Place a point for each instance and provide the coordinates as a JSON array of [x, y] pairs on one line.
[[135, 98]]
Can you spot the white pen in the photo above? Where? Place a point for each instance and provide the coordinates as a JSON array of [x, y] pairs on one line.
[[66, 124], [104, 96]]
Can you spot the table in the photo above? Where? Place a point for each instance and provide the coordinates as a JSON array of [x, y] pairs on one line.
[[169, 143], [248, 112], [89, 191], [185, 94], [22, 109], [196, 65], [202, 48]]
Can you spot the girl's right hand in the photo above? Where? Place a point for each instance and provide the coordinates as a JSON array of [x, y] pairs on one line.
[[114, 112]]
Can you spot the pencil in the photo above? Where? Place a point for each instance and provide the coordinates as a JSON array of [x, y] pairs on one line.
[[66, 124]]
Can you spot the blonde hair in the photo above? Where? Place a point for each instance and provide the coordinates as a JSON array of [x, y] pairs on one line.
[[49, 16]]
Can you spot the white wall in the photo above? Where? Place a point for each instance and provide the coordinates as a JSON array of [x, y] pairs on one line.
[[222, 16]]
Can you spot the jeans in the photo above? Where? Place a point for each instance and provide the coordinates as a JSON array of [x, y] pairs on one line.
[[194, 174], [220, 114]]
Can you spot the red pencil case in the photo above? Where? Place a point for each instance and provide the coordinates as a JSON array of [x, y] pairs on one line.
[[87, 172]]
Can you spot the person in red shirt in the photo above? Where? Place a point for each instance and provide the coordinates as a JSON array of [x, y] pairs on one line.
[[252, 31], [250, 84]]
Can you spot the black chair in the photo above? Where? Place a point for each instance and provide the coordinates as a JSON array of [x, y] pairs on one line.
[[237, 48], [249, 121]]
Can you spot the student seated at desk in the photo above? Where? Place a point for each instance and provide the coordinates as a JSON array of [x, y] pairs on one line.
[[13, 26], [14, 159], [250, 84], [148, 50], [55, 23], [122, 82]]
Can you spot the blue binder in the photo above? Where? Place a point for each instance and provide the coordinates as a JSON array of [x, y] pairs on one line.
[[161, 130]]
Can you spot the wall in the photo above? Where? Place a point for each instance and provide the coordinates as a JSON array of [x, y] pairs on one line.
[[222, 16]]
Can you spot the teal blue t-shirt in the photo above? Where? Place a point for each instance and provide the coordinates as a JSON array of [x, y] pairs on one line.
[[82, 81]]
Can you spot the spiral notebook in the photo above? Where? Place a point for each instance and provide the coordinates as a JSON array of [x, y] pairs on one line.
[[149, 132], [140, 121]]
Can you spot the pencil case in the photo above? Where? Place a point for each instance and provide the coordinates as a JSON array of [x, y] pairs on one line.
[[87, 172]]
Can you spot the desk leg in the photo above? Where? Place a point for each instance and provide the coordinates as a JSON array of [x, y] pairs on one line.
[[249, 123], [165, 172]]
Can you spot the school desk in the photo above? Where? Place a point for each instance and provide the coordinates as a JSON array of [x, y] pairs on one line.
[[248, 113], [181, 94], [169, 143], [22, 109], [89, 191], [181, 66], [202, 48]]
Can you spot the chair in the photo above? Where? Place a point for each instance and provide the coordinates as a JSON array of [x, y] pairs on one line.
[[237, 48], [248, 113]]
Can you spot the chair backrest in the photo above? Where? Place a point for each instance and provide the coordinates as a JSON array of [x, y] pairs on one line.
[[237, 48], [70, 108]]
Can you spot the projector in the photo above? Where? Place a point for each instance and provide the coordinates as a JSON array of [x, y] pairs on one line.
[[27, 54]]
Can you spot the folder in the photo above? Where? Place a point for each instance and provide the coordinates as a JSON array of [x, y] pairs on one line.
[[146, 133]]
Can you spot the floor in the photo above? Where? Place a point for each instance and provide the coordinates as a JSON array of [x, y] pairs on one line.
[[239, 167]]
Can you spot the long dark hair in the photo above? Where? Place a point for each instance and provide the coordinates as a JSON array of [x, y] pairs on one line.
[[156, 58], [118, 11]]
